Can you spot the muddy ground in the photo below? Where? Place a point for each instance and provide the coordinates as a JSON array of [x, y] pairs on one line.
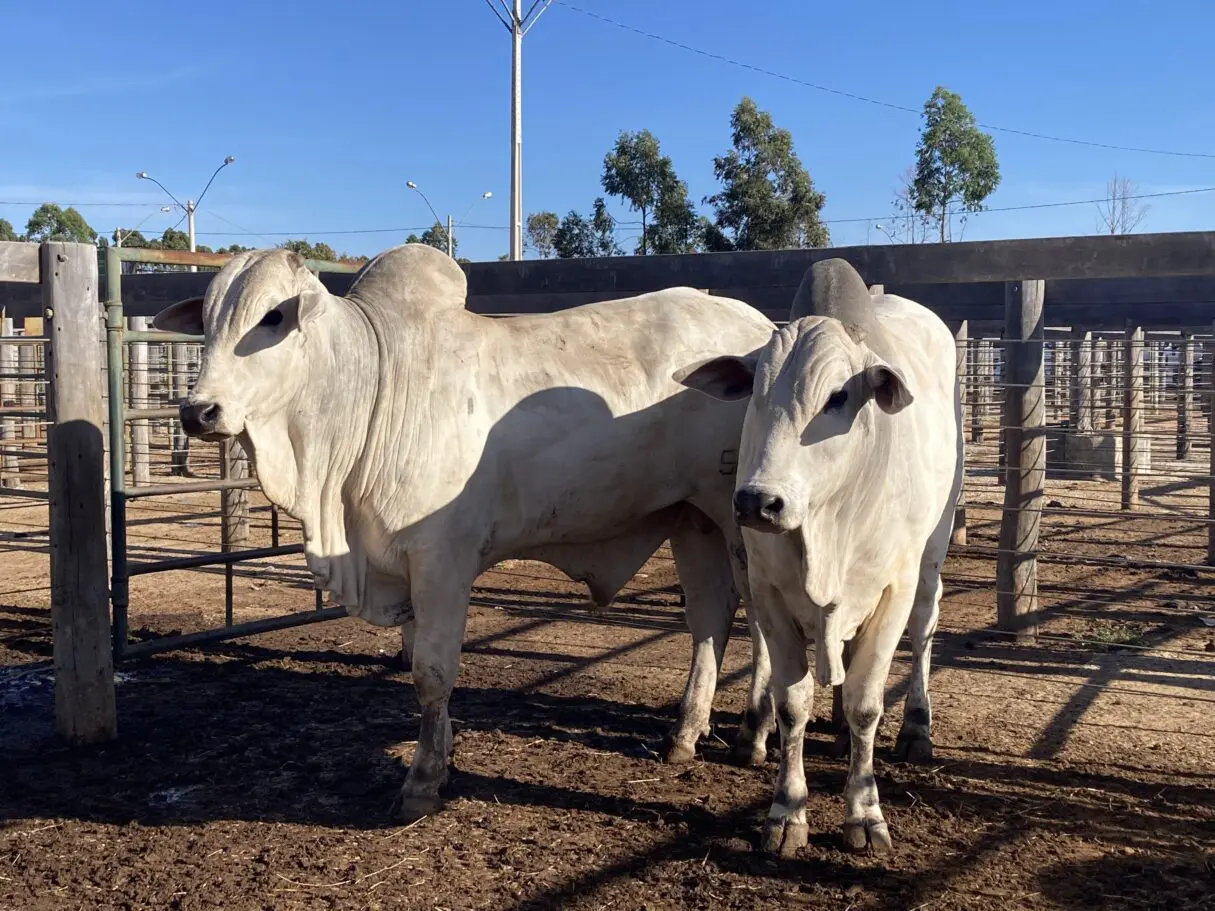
[[1071, 774]]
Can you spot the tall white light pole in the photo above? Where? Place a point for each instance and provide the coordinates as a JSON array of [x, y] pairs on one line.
[[450, 242], [518, 24], [190, 206]]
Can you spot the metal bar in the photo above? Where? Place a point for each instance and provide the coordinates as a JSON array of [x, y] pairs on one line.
[[114, 324], [165, 490], [152, 335], [24, 453], [232, 556], [26, 494], [30, 415], [23, 377], [23, 339], [169, 257], [249, 628], [273, 525], [150, 414]]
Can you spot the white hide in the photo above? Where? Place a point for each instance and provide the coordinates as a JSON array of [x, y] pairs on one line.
[[420, 444], [868, 489]]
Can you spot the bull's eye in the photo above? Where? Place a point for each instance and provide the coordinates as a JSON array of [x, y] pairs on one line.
[[273, 318], [836, 400]]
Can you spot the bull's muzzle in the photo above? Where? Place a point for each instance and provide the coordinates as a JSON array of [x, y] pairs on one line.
[[759, 509], [199, 419]]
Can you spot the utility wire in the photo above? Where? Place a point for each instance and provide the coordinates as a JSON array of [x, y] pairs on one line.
[[622, 224], [867, 100]]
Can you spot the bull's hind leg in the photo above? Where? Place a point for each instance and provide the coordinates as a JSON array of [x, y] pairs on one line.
[[440, 601], [711, 602]]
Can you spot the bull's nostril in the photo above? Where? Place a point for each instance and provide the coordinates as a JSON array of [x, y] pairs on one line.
[[209, 415], [773, 507]]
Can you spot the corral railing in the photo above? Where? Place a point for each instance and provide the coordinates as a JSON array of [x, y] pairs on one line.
[[133, 354], [1076, 355]]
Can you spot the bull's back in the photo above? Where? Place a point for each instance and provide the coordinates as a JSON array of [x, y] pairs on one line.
[[591, 427]]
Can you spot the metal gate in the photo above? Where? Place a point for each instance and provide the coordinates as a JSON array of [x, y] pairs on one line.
[[118, 340]]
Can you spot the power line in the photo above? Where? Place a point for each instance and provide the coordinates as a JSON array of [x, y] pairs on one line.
[[1038, 205], [619, 224], [78, 205], [867, 100]]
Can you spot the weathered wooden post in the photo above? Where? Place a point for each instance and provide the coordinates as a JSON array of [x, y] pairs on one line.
[[1185, 394], [976, 391], [1132, 417], [234, 504], [1113, 381], [85, 708], [10, 466], [27, 396], [179, 442], [1210, 395], [137, 374], [962, 348], [1017, 562], [1081, 417]]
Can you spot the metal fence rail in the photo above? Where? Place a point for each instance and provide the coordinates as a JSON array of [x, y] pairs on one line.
[[131, 349]]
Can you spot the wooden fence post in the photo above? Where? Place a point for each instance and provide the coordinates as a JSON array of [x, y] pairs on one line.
[[85, 708], [1185, 395], [1133, 440], [234, 504], [27, 396], [1210, 396], [179, 442], [1082, 382], [1017, 562], [962, 343], [976, 391], [10, 467], [137, 372]]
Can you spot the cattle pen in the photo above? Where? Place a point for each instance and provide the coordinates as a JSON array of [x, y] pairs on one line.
[[188, 726]]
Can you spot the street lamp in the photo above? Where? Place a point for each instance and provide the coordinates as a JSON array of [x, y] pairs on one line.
[[450, 243], [190, 206], [118, 235]]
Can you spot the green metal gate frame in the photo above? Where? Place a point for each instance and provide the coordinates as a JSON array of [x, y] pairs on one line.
[[121, 569]]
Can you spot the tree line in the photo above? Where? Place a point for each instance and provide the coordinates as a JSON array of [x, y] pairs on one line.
[[767, 199]]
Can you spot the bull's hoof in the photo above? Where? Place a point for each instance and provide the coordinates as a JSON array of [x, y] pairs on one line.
[[783, 836], [913, 746], [748, 754], [841, 747], [411, 808], [868, 833], [677, 753]]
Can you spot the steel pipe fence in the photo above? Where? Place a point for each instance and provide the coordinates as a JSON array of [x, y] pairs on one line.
[[146, 368]]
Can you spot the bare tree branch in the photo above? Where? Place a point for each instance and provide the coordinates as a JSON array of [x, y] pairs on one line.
[[1120, 212]]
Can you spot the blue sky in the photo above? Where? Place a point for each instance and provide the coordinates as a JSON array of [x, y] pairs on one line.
[[330, 109]]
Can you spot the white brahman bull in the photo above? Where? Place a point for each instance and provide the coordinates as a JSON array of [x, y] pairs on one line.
[[419, 444], [850, 466]]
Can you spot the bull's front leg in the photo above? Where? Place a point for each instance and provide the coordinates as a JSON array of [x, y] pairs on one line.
[[440, 602], [864, 690], [786, 829]]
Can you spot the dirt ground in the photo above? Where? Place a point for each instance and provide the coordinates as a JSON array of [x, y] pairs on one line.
[[1073, 773]]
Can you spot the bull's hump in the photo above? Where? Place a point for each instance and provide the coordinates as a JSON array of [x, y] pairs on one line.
[[411, 277]]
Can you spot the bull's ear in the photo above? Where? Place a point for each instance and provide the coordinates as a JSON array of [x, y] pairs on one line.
[[183, 316], [311, 305], [726, 378], [889, 386]]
